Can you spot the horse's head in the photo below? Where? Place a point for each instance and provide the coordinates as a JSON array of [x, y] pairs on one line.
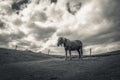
[[61, 41]]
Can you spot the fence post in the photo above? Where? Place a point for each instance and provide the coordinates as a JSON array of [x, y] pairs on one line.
[[16, 47], [48, 51], [90, 51]]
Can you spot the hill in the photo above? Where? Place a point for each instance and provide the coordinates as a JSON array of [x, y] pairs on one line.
[[11, 55], [99, 67]]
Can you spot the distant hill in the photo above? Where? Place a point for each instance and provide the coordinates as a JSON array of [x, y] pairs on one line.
[[10, 55]]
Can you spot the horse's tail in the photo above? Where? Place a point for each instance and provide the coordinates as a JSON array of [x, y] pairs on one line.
[[81, 49]]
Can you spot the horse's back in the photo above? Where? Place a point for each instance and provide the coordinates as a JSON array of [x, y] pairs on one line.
[[73, 45], [76, 43]]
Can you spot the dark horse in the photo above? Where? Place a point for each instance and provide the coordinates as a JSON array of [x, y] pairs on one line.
[[70, 46]]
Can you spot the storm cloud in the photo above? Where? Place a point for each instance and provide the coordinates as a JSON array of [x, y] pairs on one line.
[[41, 33], [2, 25], [39, 24], [73, 6], [17, 4], [6, 39], [39, 16]]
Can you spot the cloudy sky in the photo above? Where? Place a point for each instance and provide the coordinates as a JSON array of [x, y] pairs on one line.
[[37, 24]]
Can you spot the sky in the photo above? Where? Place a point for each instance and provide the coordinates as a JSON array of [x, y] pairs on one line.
[[36, 24]]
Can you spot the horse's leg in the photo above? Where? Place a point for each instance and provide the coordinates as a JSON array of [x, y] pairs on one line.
[[79, 53], [70, 54], [65, 54]]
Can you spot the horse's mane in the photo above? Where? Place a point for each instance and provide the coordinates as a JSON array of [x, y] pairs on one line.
[[67, 39]]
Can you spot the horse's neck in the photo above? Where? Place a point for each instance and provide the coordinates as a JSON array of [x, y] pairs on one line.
[[66, 42]]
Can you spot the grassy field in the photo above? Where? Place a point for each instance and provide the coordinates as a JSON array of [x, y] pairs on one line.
[[47, 67], [11, 55]]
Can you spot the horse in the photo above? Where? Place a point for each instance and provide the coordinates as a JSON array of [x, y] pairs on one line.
[[70, 46]]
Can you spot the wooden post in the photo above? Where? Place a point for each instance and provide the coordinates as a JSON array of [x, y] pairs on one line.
[[48, 51], [90, 51], [16, 47]]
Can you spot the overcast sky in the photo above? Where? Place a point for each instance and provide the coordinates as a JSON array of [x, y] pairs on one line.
[[36, 24]]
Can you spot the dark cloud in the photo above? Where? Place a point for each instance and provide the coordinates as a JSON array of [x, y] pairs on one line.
[[17, 5], [41, 33], [53, 1], [18, 22], [111, 10], [37, 1], [73, 7], [2, 25], [106, 37], [7, 38], [102, 39], [24, 43], [39, 16], [28, 45], [17, 36], [4, 39], [5, 9]]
